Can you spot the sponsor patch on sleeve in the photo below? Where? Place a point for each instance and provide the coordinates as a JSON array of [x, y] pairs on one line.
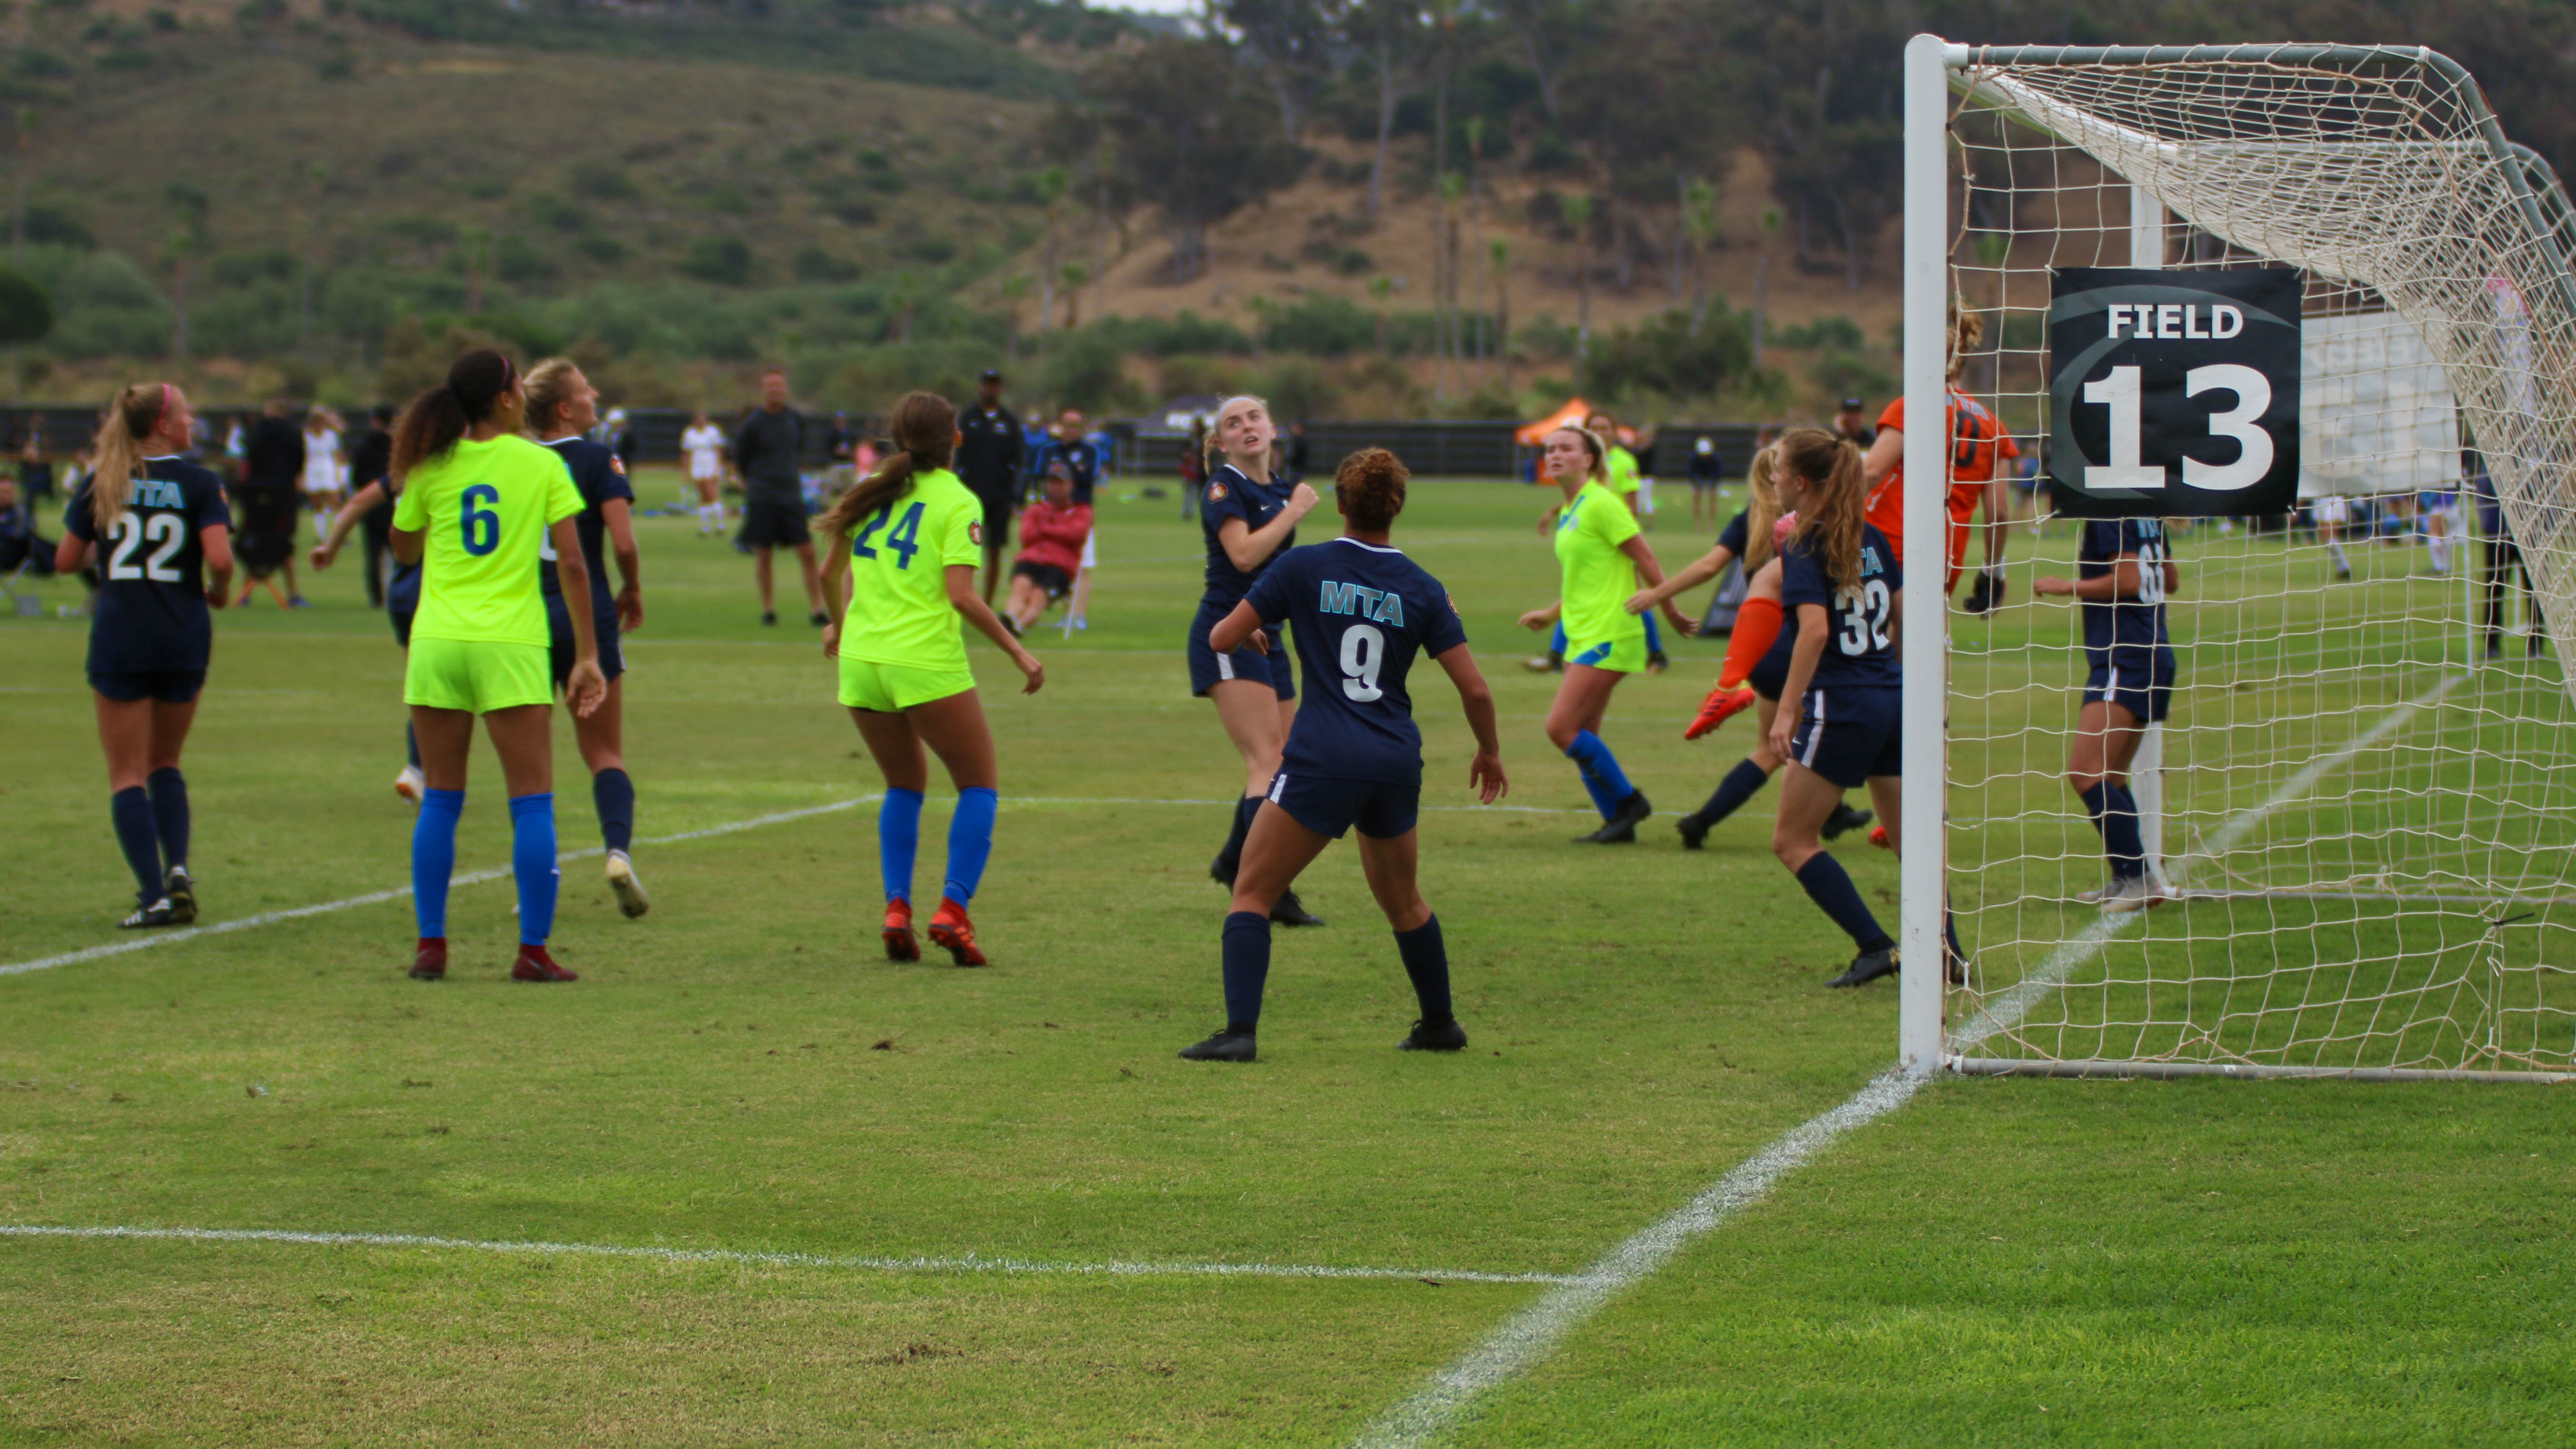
[[1216, 493], [617, 465], [975, 534]]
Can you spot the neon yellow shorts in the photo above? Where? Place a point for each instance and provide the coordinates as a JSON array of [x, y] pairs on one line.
[[1625, 656], [475, 675], [888, 688]]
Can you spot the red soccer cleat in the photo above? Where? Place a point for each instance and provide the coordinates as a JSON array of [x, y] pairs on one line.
[[1721, 705], [899, 942], [535, 965], [1878, 837], [950, 930], [429, 960]]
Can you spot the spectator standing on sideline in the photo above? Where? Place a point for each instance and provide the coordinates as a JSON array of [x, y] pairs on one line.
[[1076, 451], [272, 475], [35, 467], [1852, 422], [1706, 468], [988, 463], [765, 453], [1300, 452], [370, 459]]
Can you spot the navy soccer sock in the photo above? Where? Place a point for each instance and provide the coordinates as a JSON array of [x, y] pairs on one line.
[[411, 744], [1831, 888], [898, 840], [1231, 858], [170, 812], [2115, 811], [1247, 966], [131, 809], [1741, 784], [613, 796], [1426, 961]]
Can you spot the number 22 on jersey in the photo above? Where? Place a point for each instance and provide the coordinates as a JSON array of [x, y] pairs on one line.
[[166, 530]]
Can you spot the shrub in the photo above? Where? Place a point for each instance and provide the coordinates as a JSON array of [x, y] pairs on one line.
[[724, 260], [1839, 333], [1663, 358], [106, 307], [1321, 326]]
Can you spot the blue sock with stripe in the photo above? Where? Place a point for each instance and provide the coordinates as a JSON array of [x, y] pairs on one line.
[[970, 842], [1830, 887], [131, 811], [898, 841], [170, 812], [612, 794], [1247, 966], [1601, 773], [433, 857], [532, 861]]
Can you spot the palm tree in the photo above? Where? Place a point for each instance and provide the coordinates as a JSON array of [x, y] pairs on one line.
[[1578, 214]]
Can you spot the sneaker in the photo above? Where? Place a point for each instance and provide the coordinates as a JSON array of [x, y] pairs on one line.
[[180, 890], [410, 783], [1544, 664], [1721, 705], [1845, 819], [900, 944], [1621, 827], [1657, 661], [429, 959], [157, 913], [2133, 893], [818, 619], [299, 602], [1694, 830], [535, 965], [1447, 1036], [769, 616], [1225, 1046], [1866, 967], [1290, 911], [1980, 597], [1011, 626], [951, 931], [1081, 622], [629, 891], [2092, 897]]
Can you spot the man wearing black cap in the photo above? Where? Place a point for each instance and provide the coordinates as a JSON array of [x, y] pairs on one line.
[[1853, 423], [988, 463]]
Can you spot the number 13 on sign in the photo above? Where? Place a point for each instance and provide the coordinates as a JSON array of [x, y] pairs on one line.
[[2122, 394]]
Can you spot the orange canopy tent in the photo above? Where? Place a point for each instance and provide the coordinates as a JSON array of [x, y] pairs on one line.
[[1570, 415]]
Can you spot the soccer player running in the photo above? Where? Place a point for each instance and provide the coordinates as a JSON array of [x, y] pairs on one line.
[[765, 452], [906, 541], [1362, 613], [988, 460], [165, 529], [703, 443], [562, 408], [478, 504], [1249, 520], [1602, 556], [2124, 572]]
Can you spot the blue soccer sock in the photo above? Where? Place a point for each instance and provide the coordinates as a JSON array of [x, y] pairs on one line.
[[131, 810], [1741, 784], [1831, 888], [2115, 813], [1556, 640], [411, 744], [1654, 634], [433, 857], [612, 794], [532, 860], [898, 840], [1426, 961], [1247, 966], [170, 812], [1601, 773], [970, 842]]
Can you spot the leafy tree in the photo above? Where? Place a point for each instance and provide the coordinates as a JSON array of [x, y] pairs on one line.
[[1667, 357], [26, 313], [1292, 42], [1194, 139]]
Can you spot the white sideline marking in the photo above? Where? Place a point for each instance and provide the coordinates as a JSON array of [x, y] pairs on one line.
[[270, 918], [1531, 1335], [969, 1263]]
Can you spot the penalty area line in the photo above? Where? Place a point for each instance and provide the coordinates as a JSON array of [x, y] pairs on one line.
[[962, 1263], [1529, 1337]]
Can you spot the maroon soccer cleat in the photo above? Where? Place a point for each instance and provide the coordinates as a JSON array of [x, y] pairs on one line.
[[900, 944], [535, 965], [429, 959]]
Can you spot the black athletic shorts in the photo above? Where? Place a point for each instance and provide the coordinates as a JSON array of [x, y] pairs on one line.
[[164, 686], [1381, 809], [562, 649], [1045, 576], [998, 508], [774, 525]]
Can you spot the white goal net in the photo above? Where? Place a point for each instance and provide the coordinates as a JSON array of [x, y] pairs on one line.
[[2362, 807]]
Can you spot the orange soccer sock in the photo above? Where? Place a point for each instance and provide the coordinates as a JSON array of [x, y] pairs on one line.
[[1757, 624]]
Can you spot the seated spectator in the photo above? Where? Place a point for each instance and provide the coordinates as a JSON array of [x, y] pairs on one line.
[[20, 544], [1052, 531]]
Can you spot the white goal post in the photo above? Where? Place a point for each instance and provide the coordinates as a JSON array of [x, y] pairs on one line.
[[2363, 809]]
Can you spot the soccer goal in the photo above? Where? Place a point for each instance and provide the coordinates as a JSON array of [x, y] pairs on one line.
[[2361, 810]]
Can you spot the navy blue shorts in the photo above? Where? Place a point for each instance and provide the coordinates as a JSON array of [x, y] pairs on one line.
[[560, 645], [1771, 675], [1849, 735], [1381, 809], [402, 625], [164, 686], [2138, 682], [1209, 668]]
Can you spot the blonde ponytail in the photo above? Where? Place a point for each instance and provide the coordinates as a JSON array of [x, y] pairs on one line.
[[117, 451]]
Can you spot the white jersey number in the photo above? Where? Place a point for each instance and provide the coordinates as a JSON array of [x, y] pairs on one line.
[[1363, 655], [1865, 623], [165, 529], [2151, 573]]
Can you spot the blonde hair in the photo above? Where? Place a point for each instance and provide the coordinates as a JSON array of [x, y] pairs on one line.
[[549, 384], [1216, 420], [130, 418], [1967, 329], [1592, 444], [1762, 508], [1832, 517]]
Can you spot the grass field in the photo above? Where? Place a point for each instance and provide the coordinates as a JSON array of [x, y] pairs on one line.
[[1998, 1262]]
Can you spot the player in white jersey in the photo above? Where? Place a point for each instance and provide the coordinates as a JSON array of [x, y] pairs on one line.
[[703, 444]]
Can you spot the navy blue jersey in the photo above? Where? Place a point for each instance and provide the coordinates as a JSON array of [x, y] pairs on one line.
[[1232, 495], [1359, 614], [152, 569], [1733, 537], [2138, 623], [1860, 650], [601, 476]]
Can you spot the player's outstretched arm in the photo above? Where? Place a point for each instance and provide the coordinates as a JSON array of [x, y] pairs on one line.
[[1486, 772], [1246, 547], [1537, 620], [1651, 572], [962, 596], [1700, 570], [1238, 628], [360, 504]]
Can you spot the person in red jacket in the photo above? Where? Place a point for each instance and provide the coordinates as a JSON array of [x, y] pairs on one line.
[[1051, 537]]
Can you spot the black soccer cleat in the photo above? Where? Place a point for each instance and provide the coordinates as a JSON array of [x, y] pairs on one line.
[[818, 619], [1225, 1046], [1221, 870], [155, 914], [1694, 830], [1621, 827], [1447, 1036], [1657, 661], [769, 616], [1867, 967], [180, 890], [1290, 911], [1845, 819]]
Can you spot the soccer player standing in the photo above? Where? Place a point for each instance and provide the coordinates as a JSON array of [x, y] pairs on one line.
[[766, 450], [166, 531], [704, 445], [562, 407], [1362, 613], [906, 543], [988, 460], [2124, 572], [478, 503]]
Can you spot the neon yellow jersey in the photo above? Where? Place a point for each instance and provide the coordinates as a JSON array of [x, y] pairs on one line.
[[485, 508], [899, 560], [1623, 470], [1598, 577]]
